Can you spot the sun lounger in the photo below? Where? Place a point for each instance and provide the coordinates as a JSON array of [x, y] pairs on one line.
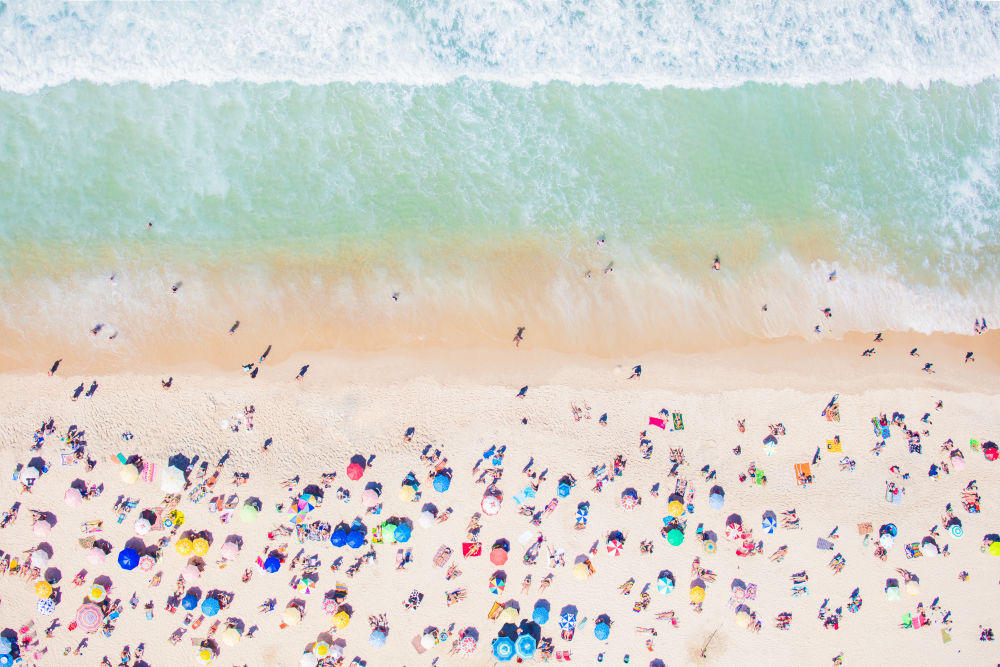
[[442, 556], [803, 474]]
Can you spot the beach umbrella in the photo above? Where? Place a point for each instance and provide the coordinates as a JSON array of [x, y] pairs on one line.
[[994, 548], [42, 528], [305, 584], [467, 645], [441, 482], [97, 593], [742, 619], [210, 606], [956, 529], [497, 585], [39, 558], [675, 508], [581, 571], [330, 606], [229, 550], [716, 501], [30, 475], [990, 451], [734, 531], [426, 519], [146, 563], [913, 587], [581, 514], [128, 559], [6, 660], [355, 471], [200, 546], [172, 480], [540, 615], [175, 519], [190, 601], [230, 636], [602, 630], [272, 564], [142, 526], [5, 644], [248, 513], [503, 649], [43, 589], [321, 649], [377, 638], [308, 660], [563, 490], [675, 536], [205, 655], [886, 540], [369, 498], [697, 594], [96, 556], [708, 545], [769, 523], [498, 556], [388, 532], [428, 640], [567, 621], [525, 646], [665, 583], [72, 497], [407, 493], [892, 592], [184, 546], [306, 502], [129, 473], [340, 620], [491, 505], [291, 616], [355, 539], [338, 538], [615, 547], [403, 533], [89, 617], [191, 573], [508, 615]]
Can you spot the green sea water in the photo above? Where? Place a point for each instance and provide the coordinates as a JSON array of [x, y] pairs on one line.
[[481, 203]]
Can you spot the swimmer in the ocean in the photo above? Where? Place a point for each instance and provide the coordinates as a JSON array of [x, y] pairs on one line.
[[600, 240], [832, 276], [176, 286], [716, 265], [609, 268]]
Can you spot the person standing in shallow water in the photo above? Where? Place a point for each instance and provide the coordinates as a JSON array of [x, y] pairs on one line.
[[519, 336], [716, 265]]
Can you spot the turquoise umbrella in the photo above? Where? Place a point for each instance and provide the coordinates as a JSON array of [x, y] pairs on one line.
[[503, 649]]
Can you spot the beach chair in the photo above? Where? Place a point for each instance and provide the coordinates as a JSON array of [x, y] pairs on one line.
[[441, 556]]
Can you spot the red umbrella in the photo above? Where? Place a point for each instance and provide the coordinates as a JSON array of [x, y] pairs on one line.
[[615, 547], [355, 471], [498, 556]]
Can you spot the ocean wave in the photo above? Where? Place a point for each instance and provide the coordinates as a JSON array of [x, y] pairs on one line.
[[653, 44]]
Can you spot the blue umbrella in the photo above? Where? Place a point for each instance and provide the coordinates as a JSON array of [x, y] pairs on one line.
[[272, 564], [189, 602], [377, 638], [4, 644], [769, 523], [210, 606], [503, 649], [716, 501], [540, 615], [602, 630], [6, 660], [525, 646], [128, 559], [563, 490], [339, 538], [403, 533], [355, 539], [441, 482], [567, 621]]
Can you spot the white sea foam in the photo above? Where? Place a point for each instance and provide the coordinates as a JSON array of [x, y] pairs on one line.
[[423, 42]]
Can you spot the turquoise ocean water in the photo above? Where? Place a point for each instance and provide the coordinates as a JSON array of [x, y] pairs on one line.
[[299, 169]]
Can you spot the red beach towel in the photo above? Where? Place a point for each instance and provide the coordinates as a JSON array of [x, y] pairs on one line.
[[656, 421]]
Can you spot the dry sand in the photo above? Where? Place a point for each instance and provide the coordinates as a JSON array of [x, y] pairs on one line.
[[463, 403]]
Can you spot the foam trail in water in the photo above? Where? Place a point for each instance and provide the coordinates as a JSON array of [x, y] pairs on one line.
[[418, 42]]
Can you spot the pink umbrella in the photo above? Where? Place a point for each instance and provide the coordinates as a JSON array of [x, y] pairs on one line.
[[629, 502], [146, 563], [96, 556], [355, 471], [142, 526], [191, 573], [615, 547], [734, 531], [491, 505], [369, 498], [42, 528], [73, 497], [229, 550], [330, 606]]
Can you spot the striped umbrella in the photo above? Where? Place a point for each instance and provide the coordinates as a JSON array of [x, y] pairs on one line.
[[89, 617]]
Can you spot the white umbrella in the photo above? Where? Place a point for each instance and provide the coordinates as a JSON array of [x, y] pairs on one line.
[[191, 573], [142, 526], [39, 558], [426, 519], [308, 660], [73, 497], [30, 475], [886, 540], [42, 528], [95, 556], [229, 550], [173, 480]]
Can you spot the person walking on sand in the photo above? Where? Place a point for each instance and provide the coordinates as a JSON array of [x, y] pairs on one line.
[[519, 336], [636, 373], [913, 353], [302, 372], [55, 367], [969, 357], [167, 383], [233, 328]]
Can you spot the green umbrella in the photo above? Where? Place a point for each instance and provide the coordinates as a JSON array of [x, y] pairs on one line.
[[388, 531], [248, 513], [675, 536]]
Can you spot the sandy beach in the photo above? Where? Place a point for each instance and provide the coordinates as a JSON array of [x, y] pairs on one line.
[[466, 403]]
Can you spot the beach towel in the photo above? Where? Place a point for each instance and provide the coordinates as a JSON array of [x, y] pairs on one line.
[[678, 421], [824, 544], [471, 549], [803, 474], [67, 458], [656, 421], [148, 471], [833, 445]]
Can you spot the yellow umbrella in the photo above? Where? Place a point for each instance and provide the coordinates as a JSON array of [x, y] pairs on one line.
[[321, 649], [675, 508], [913, 587], [175, 519], [407, 493], [43, 589], [581, 571], [200, 546], [205, 656], [230, 637], [994, 548], [184, 546], [697, 594], [291, 616], [97, 593], [742, 619], [508, 615], [340, 620], [129, 474]]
